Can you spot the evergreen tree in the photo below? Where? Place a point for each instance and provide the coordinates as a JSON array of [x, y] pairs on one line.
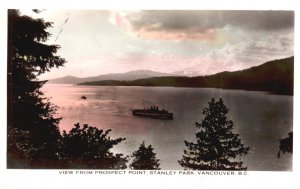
[[89, 147], [144, 159], [286, 144], [216, 147], [28, 110]]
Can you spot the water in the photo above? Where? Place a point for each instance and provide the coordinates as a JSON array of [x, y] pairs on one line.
[[260, 119]]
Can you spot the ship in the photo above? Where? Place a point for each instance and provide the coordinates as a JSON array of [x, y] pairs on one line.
[[83, 97], [153, 112]]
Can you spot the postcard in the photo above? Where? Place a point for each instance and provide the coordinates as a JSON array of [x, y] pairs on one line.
[[157, 94]]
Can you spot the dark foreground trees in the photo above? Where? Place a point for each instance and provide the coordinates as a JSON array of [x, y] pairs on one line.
[[144, 159], [216, 147], [286, 144], [30, 114], [89, 147], [34, 140]]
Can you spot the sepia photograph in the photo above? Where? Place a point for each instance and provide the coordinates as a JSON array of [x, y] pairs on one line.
[[150, 89], [105, 92]]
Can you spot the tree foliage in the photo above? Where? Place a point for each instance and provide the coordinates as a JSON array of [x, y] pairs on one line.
[[89, 147], [216, 147], [18, 145], [144, 159], [28, 110], [286, 144], [34, 140]]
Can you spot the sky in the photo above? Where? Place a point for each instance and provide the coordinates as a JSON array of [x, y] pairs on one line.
[[185, 42]]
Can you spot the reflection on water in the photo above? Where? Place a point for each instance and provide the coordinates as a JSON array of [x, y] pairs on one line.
[[260, 119]]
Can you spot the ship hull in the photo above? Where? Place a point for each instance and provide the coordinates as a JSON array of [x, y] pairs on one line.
[[153, 114]]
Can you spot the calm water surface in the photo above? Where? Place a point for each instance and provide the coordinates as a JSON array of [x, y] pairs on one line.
[[260, 119]]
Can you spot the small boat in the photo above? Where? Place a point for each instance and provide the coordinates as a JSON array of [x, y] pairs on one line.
[[83, 97], [153, 112]]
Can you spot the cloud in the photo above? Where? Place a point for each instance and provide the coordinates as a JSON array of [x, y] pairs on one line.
[[257, 50], [177, 35], [200, 25], [200, 21], [185, 41]]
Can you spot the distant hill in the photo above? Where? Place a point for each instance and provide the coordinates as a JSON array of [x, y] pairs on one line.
[[128, 76], [276, 76], [67, 80]]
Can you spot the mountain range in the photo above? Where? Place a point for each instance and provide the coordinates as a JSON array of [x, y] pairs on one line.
[[275, 76], [128, 76]]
